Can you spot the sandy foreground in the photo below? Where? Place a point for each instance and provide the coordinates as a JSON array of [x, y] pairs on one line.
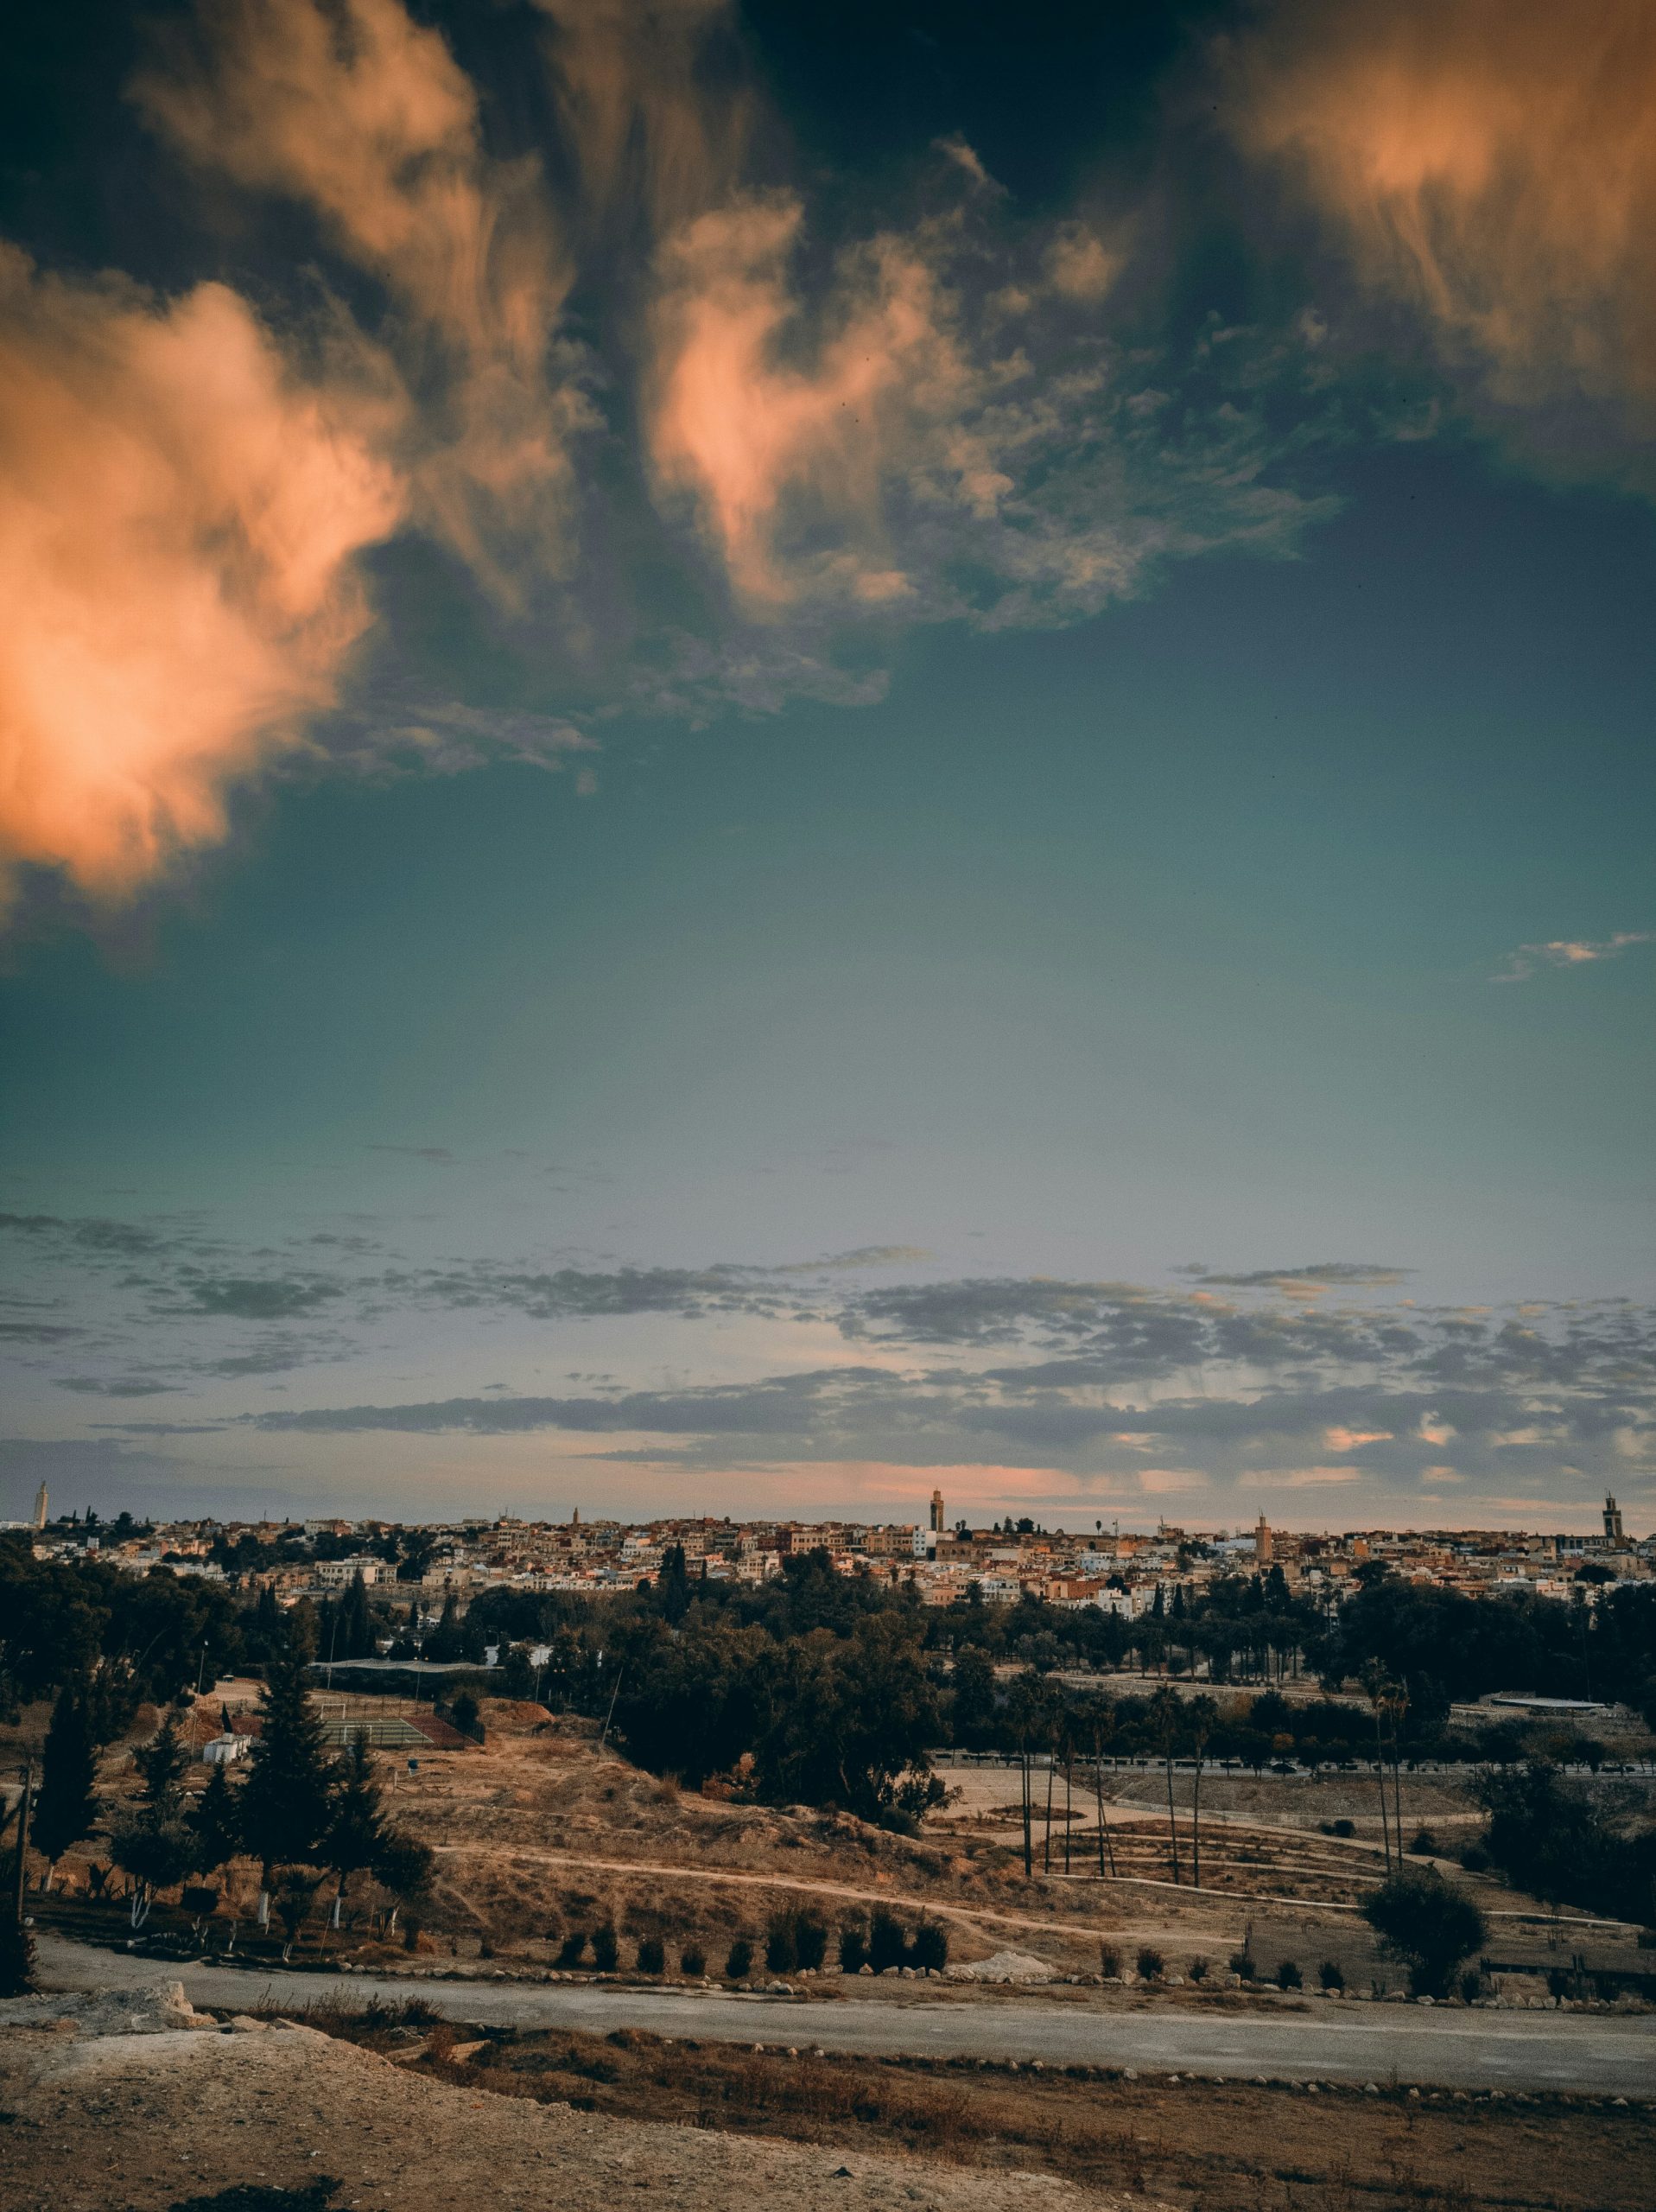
[[100, 2122]]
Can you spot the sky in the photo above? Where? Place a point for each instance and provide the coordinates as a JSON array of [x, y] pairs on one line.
[[755, 757]]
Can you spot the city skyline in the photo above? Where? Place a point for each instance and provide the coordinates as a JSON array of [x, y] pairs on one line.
[[754, 758]]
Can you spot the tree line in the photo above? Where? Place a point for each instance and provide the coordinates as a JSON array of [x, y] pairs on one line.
[[307, 1817]]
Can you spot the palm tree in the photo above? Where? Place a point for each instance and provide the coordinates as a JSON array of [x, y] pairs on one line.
[[1202, 1718], [1165, 1719], [1377, 1689], [1103, 1730]]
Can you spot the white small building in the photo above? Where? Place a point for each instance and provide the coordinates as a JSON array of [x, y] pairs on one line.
[[224, 1750]]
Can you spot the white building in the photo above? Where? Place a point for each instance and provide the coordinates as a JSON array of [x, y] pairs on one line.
[[340, 1574]]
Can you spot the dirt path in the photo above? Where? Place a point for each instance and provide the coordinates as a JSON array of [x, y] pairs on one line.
[[814, 1887], [1239, 1903]]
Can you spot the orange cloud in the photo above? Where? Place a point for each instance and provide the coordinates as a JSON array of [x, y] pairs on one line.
[[178, 522], [1492, 161], [775, 449], [649, 124], [357, 112]]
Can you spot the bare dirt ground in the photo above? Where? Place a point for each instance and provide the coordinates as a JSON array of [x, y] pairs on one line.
[[424, 2116], [542, 1833], [151, 2123]]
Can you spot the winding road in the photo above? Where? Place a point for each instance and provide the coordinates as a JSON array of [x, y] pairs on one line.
[[1603, 2055]]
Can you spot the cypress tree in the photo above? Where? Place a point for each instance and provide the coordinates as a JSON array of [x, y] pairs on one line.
[[66, 1805], [154, 1846], [444, 1643], [215, 1824], [355, 1624], [287, 1801], [357, 1833]]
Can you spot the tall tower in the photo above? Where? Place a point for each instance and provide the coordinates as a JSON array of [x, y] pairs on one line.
[[1612, 1522], [40, 1507], [1263, 1545], [936, 1513]]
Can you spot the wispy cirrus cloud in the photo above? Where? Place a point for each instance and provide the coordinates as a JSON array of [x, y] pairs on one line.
[[1568, 952], [1492, 164], [946, 417]]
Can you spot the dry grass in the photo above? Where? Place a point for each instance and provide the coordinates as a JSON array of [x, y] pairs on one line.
[[1206, 2146]]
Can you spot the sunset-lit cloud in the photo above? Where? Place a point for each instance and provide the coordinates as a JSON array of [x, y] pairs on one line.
[[784, 423], [1491, 162], [363, 116], [651, 129], [179, 515], [773, 451], [1569, 952]]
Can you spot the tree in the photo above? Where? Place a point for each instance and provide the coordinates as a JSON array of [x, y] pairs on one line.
[[357, 1836], [1378, 1688], [1201, 1719], [154, 1845], [215, 1824], [17, 1944], [287, 1801], [402, 1866], [1165, 1719], [974, 1684], [1428, 1924], [1103, 1730], [67, 1803], [356, 1627], [447, 1641]]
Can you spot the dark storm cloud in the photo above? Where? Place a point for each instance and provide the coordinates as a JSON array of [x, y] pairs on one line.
[[38, 1332]]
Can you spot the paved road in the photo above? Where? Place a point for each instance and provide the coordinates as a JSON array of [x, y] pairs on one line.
[[1606, 2055]]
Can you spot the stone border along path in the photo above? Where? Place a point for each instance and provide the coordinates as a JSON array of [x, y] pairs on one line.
[[1592, 2055]]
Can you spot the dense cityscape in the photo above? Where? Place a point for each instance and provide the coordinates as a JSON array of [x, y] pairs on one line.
[[1123, 1573]]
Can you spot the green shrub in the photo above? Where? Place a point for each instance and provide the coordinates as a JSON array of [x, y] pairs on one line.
[[1150, 1963], [929, 1949], [1431, 1927], [853, 1948], [887, 1946], [739, 1963], [781, 1953], [1198, 1970], [1289, 1975], [693, 1960], [573, 1949], [607, 1949], [1424, 1845], [1330, 1974], [653, 1956]]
